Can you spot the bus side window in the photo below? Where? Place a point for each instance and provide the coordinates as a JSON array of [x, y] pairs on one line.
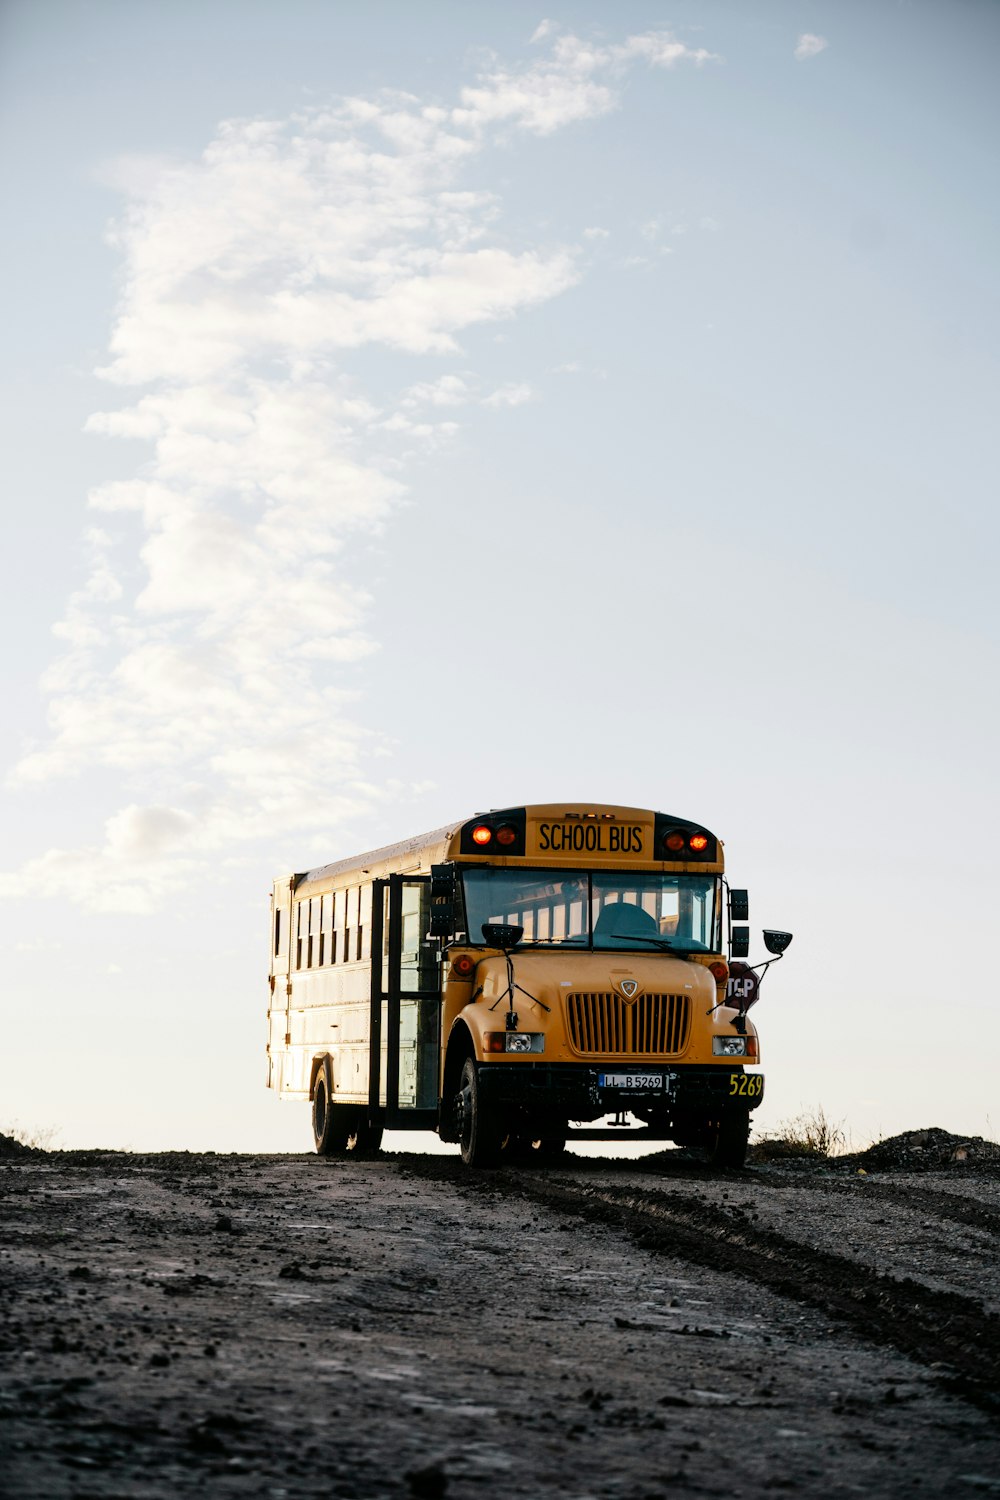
[[277, 932], [324, 929], [350, 919], [365, 923], [385, 937], [299, 932]]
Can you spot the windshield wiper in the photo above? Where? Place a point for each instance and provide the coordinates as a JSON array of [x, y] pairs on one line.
[[560, 942], [662, 943]]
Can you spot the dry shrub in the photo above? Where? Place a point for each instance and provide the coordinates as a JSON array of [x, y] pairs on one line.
[[808, 1135], [17, 1138]]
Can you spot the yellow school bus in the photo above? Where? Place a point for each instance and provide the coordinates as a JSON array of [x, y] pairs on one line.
[[512, 980]]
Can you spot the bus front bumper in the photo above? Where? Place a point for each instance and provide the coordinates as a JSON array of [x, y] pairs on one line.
[[574, 1091]]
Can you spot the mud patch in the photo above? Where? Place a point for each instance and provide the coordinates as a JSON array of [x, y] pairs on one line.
[[290, 1327]]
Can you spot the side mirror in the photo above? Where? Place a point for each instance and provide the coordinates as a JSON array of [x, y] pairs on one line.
[[442, 914], [776, 942], [739, 942], [739, 906], [502, 935]]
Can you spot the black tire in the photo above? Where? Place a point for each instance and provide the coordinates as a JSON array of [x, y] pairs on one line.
[[549, 1148], [331, 1122], [728, 1140], [364, 1138], [516, 1150], [478, 1131], [539, 1151]]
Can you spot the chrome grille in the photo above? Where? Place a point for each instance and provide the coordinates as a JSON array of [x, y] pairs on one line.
[[650, 1025]]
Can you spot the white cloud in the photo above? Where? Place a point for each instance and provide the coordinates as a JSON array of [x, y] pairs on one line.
[[447, 390], [567, 86], [809, 45], [147, 832], [514, 394], [205, 651]]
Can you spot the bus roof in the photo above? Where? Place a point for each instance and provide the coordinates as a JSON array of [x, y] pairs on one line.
[[555, 833]]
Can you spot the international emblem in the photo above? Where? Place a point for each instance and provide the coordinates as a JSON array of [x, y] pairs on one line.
[[628, 987]]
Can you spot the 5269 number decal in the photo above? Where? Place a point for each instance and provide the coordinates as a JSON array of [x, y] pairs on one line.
[[751, 1085]]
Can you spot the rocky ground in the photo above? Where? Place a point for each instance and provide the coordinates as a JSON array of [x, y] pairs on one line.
[[289, 1326]]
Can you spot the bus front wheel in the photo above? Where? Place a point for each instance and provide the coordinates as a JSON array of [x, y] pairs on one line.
[[728, 1140], [478, 1131], [537, 1150]]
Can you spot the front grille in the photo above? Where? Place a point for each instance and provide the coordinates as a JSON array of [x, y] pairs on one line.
[[651, 1025]]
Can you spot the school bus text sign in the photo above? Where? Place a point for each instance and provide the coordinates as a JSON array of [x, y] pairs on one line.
[[597, 837]]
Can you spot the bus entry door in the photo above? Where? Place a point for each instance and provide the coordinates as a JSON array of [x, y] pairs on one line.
[[406, 1004]]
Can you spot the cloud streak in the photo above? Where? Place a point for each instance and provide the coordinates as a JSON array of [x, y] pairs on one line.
[[205, 651], [809, 45]]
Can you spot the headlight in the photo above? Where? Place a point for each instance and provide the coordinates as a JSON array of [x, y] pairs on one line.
[[731, 1046], [518, 1041], [514, 1041]]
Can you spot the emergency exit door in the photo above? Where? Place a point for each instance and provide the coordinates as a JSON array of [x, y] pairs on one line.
[[405, 1005]]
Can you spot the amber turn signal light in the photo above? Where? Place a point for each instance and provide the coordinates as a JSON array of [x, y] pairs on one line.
[[674, 842], [464, 965], [698, 842], [481, 834], [720, 970]]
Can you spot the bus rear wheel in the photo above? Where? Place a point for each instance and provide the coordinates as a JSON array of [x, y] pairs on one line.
[[331, 1122], [478, 1131]]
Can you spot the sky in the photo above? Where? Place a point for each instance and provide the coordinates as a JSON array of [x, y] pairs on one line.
[[410, 410]]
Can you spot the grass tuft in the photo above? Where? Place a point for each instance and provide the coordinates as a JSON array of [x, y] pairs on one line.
[[811, 1136], [17, 1137]]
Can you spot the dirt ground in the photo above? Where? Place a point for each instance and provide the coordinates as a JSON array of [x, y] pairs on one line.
[[290, 1326]]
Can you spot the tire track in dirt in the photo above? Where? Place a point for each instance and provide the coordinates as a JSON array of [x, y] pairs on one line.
[[954, 1207], [949, 1206], [941, 1330]]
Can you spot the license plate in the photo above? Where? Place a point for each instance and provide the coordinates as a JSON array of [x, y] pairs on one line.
[[632, 1082]]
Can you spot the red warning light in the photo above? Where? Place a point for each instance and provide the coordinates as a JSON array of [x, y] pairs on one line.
[[674, 842], [481, 834], [698, 842], [506, 835]]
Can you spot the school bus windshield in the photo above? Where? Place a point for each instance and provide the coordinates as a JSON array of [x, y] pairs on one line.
[[596, 910]]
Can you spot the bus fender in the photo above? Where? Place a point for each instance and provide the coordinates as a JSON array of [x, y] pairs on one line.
[[460, 1046], [320, 1061]]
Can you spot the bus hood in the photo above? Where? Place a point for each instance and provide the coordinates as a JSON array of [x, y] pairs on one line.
[[548, 976]]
